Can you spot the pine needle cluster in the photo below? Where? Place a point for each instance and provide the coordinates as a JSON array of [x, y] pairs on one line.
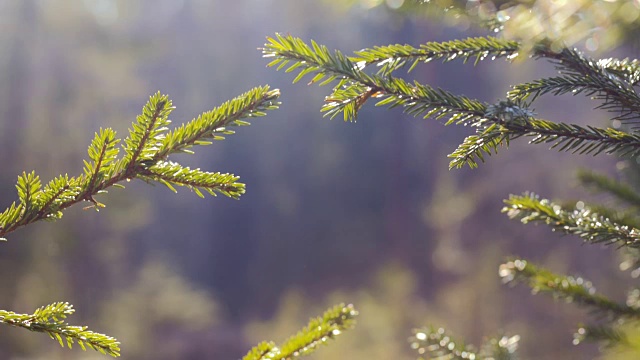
[[146, 151], [610, 80], [437, 344]]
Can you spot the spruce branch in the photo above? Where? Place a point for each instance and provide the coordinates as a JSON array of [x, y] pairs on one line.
[[487, 141], [214, 124], [590, 226], [574, 138], [168, 173], [392, 57], [147, 133], [496, 124], [260, 351], [50, 320], [423, 100], [319, 330], [431, 343], [502, 348], [604, 184], [558, 85], [606, 335], [28, 187], [355, 87], [146, 150], [103, 153], [627, 217], [633, 298], [627, 69], [568, 288], [315, 58], [578, 139], [506, 121], [599, 78], [58, 192]]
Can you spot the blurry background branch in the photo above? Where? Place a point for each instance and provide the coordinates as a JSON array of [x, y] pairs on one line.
[[597, 25]]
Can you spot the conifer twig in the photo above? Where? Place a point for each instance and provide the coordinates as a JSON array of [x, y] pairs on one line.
[[319, 330], [146, 149], [431, 343], [392, 57], [590, 226], [605, 184], [50, 319], [435, 344], [603, 334], [608, 80], [567, 288], [496, 124]]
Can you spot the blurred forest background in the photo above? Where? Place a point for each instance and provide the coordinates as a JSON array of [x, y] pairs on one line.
[[362, 212]]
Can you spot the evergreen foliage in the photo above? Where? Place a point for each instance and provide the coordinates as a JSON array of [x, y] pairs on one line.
[[589, 225], [146, 151], [50, 320], [437, 344], [319, 330], [373, 73], [496, 124]]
